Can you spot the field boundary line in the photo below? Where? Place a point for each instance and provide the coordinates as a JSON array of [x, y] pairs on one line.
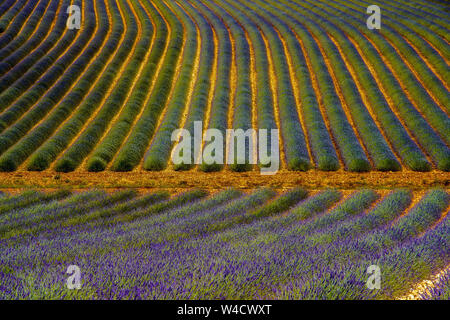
[[254, 90], [387, 97]]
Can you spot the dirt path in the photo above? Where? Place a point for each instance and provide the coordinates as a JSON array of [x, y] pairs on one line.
[[424, 286]]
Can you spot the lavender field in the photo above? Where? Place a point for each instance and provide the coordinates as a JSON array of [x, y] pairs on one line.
[[230, 244]]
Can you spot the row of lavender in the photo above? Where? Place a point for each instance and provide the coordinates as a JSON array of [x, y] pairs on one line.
[[230, 244]]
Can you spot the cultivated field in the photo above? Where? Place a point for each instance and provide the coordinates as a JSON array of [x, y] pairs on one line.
[[88, 115], [109, 95]]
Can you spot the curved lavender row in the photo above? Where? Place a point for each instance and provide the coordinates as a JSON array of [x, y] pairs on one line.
[[402, 38], [180, 200], [441, 291], [137, 204], [13, 29], [4, 7], [133, 148], [391, 206], [43, 208], [158, 149], [202, 223], [77, 69], [417, 259], [431, 129], [22, 35], [125, 29], [40, 43], [344, 277], [49, 68], [416, 221], [78, 103], [353, 205], [305, 211], [10, 15], [279, 205], [234, 210], [428, 29], [83, 226], [52, 215], [242, 110], [220, 102], [370, 135], [296, 151]]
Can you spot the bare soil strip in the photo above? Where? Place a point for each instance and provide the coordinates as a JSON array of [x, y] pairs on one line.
[[253, 81]]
